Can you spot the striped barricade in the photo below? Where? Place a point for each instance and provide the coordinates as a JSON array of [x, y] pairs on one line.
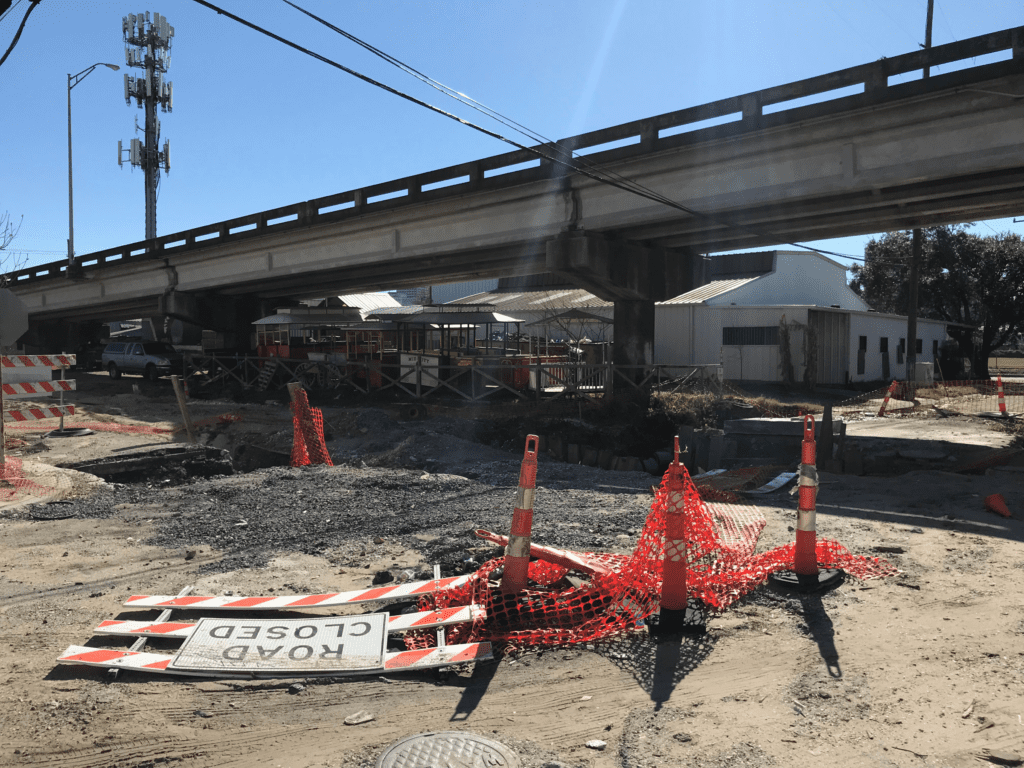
[[45, 387], [39, 387], [210, 647], [30, 414], [400, 622], [38, 361], [282, 602], [394, 661]]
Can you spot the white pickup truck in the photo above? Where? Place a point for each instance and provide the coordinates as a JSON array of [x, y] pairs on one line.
[[151, 359]]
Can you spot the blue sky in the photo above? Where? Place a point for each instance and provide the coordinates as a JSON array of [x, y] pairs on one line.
[[257, 125]]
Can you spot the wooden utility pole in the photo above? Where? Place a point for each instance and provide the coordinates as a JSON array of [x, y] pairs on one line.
[[915, 254]]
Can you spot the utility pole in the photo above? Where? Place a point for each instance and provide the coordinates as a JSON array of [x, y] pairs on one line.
[[915, 253], [148, 47]]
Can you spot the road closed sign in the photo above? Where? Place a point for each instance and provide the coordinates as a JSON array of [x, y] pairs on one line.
[[307, 646]]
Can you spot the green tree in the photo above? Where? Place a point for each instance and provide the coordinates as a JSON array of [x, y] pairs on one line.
[[965, 279]]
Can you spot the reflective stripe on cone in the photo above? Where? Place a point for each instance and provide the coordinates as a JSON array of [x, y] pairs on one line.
[[805, 561]]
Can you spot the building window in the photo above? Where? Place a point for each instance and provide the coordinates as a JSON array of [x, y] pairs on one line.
[[753, 337], [900, 349], [862, 350], [935, 350], [920, 347], [883, 344]]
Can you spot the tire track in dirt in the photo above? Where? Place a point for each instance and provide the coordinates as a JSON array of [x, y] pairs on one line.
[[168, 749]]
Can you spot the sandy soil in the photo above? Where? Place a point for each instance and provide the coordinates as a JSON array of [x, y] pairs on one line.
[[922, 669]]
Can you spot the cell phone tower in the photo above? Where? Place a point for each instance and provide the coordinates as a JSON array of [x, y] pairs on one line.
[[148, 47]]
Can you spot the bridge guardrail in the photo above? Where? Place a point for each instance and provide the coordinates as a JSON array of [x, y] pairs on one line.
[[653, 134]]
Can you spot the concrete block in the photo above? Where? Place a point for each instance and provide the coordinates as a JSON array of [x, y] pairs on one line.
[[716, 448], [605, 459], [853, 460], [572, 454], [774, 427], [590, 456], [557, 448]]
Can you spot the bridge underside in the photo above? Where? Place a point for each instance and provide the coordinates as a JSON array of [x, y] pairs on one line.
[[945, 150]]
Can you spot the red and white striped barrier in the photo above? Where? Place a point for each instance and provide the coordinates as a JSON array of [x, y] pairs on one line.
[[39, 387], [275, 603], [888, 394], [37, 361], [517, 553], [181, 630], [1002, 398], [394, 661], [30, 414]]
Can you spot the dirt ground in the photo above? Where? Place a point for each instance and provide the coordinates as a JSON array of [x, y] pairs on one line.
[[922, 669]]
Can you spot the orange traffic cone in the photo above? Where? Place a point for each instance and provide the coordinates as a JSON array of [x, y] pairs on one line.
[[806, 576], [517, 552], [996, 503], [888, 394], [676, 615], [1002, 399]]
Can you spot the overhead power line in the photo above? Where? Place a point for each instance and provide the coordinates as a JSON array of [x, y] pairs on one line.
[[17, 35], [570, 163]]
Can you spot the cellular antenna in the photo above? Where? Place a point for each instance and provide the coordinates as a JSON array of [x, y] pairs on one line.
[[148, 47]]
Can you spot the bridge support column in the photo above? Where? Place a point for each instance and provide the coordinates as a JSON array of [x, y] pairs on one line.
[[230, 316], [632, 276]]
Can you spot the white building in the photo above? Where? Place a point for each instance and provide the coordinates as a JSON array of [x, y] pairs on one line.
[[751, 307], [741, 321]]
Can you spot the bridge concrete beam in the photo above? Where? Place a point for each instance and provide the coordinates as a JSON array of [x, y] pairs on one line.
[[615, 270], [632, 276]]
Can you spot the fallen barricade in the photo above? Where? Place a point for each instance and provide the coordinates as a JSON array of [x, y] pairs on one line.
[[691, 559]]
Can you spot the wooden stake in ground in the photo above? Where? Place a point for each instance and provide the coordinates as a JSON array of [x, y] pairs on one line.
[[186, 417]]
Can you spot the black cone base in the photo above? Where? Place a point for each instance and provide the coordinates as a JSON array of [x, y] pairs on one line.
[[824, 580], [691, 620], [69, 432]]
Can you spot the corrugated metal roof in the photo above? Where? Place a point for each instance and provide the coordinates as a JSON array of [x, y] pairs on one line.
[[532, 301], [370, 300], [709, 291]]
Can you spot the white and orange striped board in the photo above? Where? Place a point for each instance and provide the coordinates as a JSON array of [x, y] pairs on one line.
[[31, 414], [281, 602], [394, 661], [180, 630], [39, 387], [312, 644], [37, 361]]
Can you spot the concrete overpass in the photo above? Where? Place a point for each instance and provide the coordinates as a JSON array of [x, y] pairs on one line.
[[850, 152]]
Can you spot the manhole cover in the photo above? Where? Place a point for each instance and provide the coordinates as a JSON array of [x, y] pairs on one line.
[[447, 748]]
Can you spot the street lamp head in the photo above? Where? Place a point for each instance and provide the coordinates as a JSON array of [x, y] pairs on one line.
[[112, 66]]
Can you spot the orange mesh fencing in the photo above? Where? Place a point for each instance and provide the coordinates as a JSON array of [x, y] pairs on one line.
[[308, 446], [721, 540], [95, 426], [913, 399], [40, 484]]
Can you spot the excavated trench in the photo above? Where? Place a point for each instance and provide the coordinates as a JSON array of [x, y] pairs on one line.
[[171, 465]]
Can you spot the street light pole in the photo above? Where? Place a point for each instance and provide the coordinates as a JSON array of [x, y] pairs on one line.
[[74, 80]]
